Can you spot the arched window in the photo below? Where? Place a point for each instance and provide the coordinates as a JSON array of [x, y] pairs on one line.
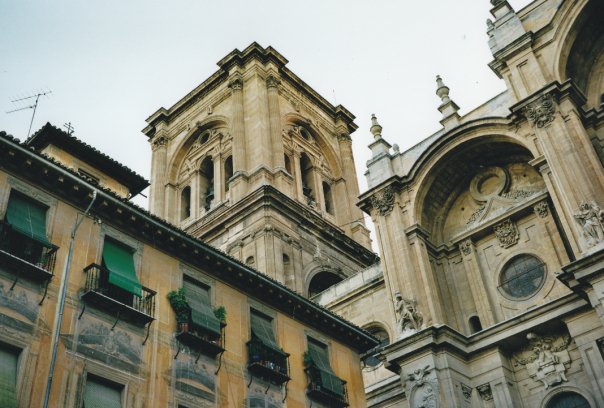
[[228, 172], [321, 282], [308, 183], [475, 325], [522, 277], [206, 183], [288, 163], [328, 198], [568, 400], [185, 203], [381, 334]]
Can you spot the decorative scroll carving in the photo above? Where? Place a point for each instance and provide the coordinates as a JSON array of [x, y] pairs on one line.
[[236, 84], [591, 219], [466, 247], [541, 112], [541, 209], [383, 201], [408, 317], [546, 358], [158, 142], [485, 392], [507, 233], [517, 194], [422, 390], [272, 81]]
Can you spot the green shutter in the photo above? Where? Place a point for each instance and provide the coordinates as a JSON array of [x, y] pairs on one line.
[[28, 217], [262, 329], [118, 260], [329, 380], [202, 314], [99, 395], [8, 379]]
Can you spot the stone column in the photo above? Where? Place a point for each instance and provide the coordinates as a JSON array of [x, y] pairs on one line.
[[218, 176], [159, 160], [277, 151], [297, 175], [239, 162], [577, 177]]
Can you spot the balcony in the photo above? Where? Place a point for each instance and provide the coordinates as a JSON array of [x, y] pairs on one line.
[[323, 393], [267, 363], [26, 256], [112, 299], [201, 339]]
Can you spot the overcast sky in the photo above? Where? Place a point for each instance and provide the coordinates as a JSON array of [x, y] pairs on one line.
[[110, 64]]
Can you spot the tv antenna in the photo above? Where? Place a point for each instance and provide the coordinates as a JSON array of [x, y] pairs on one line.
[[69, 127], [34, 106]]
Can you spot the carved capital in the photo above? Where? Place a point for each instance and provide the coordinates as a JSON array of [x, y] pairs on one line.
[[344, 138], [272, 82], [466, 247], [383, 201], [236, 84], [159, 141], [466, 391], [541, 112], [541, 209], [507, 233], [485, 392]]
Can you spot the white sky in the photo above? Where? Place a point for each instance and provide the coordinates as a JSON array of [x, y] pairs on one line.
[[110, 64]]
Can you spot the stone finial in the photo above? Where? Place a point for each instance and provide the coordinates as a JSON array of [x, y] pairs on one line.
[[375, 129], [442, 90], [396, 148]]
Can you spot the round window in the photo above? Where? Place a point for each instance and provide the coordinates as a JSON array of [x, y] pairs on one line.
[[522, 277], [568, 400]]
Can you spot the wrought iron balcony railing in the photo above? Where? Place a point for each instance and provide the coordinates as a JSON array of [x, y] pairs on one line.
[[267, 363], [108, 297], [25, 255], [318, 391]]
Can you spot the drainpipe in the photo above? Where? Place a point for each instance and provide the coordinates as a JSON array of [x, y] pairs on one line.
[[61, 304]]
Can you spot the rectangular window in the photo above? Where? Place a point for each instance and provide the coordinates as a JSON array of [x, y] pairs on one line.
[[118, 260], [100, 393], [262, 329], [9, 359], [27, 216], [198, 298], [320, 362]]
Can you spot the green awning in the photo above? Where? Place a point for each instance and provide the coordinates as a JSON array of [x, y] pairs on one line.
[[320, 358], [27, 216], [202, 314], [99, 395], [8, 379], [118, 259], [262, 330]]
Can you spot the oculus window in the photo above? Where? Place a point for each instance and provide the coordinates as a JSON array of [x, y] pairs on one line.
[[522, 277]]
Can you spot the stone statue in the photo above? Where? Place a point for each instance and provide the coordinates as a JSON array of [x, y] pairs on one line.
[[591, 218], [408, 317]]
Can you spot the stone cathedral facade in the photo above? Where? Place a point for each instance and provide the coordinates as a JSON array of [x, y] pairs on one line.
[[491, 231]]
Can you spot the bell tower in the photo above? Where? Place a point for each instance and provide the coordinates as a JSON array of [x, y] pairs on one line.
[[255, 162]]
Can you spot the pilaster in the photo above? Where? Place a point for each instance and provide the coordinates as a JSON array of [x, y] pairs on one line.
[[159, 161]]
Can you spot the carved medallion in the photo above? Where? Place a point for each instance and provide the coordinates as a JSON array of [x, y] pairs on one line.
[[383, 201], [507, 233], [546, 358], [541, 112], [422, 388]]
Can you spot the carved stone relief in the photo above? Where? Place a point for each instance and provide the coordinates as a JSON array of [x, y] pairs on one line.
[[422, 388], [591, 218], [466, 391], [383, 201], [546, 358], [409, 319], [541, 209], [157, 142], [485, 392], [541, 112], [507, 233], [466, 247]]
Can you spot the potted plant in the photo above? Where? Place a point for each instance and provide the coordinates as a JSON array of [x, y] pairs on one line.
[[181, 307], [220, 313], [307, 359]]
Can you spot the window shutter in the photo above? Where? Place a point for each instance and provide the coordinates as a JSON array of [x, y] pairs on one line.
[[100, 395], [118, 260], [262, 329], [320, 358], [28, 217], [202, 314], [8, 378]]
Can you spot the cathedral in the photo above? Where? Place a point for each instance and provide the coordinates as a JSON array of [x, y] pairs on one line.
[[251, 281]]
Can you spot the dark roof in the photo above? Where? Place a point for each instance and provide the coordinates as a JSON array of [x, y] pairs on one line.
[[49, 134], [168, 238]]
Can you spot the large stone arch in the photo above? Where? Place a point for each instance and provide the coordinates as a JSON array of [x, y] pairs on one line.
[[314, 269], [182, 149], [444, 169]]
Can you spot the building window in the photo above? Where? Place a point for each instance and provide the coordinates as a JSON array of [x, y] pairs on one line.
[[228, 172], [382, 336], [9, 362], [522, 277], [185, 203], [120, 277], [321, 282], [100, 393], [203, 319], [323, 384], [265, 358], [23, 232], [568, 400], [308, 183], [328, 198], [288, 163], [475, 325], [206, 183]]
